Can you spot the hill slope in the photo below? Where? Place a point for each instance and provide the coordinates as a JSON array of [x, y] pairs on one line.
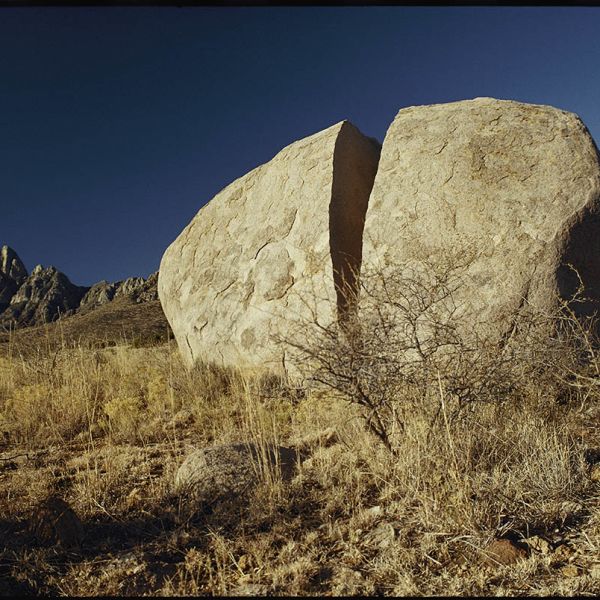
[[142, 324]]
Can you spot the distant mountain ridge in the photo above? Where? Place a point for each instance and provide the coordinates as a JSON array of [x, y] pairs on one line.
[[46, 294]]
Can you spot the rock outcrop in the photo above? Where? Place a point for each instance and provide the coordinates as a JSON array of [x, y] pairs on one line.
[[47, 294], [274, 246], [514, 186], [99, 294], [136, 289], [44, 296], [12, 275], [11, 265]]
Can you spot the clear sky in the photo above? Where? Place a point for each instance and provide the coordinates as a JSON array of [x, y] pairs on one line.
[[118, 124]]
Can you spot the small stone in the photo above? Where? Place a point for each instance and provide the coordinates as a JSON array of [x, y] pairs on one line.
[[563, 552], [375, 511], [250, 589], [595, 473], [347, 582], [503, 552], [569, 571], [539, 544], [382, 536]]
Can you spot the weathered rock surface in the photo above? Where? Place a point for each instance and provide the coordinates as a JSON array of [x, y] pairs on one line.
[[12, 266], [231, 470], [136, 289], [129, 286], [44, 296], [8, 287], [99, 294], [272, 247], [517, 185], [148, 291], [139, 289], [12, 275]]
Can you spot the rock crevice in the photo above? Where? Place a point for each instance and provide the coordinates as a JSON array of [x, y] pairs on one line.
[[515, 185], [281, 243]]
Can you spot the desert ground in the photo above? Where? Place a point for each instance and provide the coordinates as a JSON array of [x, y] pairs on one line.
[[499, 498]]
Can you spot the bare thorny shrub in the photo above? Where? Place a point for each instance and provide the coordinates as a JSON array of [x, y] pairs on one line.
[[465, 409]]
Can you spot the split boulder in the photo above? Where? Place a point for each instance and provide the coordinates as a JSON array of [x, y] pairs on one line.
[[511, 188], [276, 246]]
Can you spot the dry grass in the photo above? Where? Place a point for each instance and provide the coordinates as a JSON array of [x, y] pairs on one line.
[[107, 428]]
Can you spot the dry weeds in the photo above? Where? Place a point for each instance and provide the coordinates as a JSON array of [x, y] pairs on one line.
[[106, 429]]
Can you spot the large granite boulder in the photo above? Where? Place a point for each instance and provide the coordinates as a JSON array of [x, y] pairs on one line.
[[512, 189], [44, 296], [273, 247]]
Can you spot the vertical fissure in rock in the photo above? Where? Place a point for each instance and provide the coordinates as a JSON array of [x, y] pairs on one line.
[[355, 162], [580, 263]]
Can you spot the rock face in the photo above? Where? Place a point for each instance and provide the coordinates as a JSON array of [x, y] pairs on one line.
[[274, 245], [516, 186], [12, 275], [46, 294], [99, 294], [148, 291], [212, 474], [11, 265], [42, 297], [136, 289]]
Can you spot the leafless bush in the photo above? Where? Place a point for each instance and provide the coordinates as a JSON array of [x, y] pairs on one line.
[[414, 342]]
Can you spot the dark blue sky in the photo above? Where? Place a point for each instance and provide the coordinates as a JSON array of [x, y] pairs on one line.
[[117, 125]]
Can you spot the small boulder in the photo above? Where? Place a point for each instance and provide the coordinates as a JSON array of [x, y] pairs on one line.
[[503, 552], [570, 571], [382, 536], [250, 589], [55, 523], [229, 470]]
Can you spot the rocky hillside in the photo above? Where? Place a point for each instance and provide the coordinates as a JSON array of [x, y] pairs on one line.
[[46, 294]]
